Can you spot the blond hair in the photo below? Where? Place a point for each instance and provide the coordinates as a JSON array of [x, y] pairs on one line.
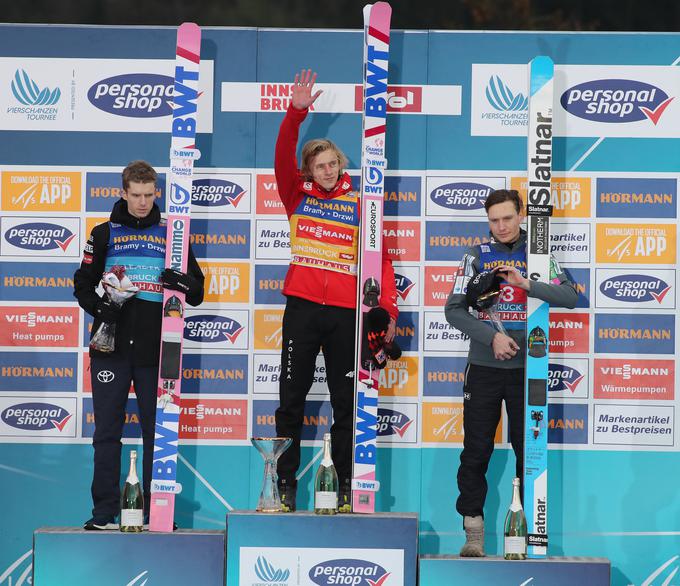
[[315, 147]]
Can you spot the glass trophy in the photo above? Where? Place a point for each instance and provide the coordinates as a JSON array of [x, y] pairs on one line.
[[487, 303], [270, 448]]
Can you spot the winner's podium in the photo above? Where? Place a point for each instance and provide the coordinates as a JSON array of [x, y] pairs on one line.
[[443, 570], [75, 557], [304, 548]]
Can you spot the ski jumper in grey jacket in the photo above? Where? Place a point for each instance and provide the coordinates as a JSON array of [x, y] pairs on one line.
[[489, 381]]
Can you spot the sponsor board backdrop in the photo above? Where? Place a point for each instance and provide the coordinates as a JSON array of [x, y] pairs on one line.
[[77, 106]]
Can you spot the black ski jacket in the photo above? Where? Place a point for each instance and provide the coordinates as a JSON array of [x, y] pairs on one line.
[[138, 329]]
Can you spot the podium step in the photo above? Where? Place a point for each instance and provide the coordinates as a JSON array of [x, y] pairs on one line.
[[76, 557], [304, 548], [442, 570]]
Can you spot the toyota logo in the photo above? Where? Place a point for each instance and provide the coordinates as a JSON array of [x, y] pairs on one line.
[[105, 376]]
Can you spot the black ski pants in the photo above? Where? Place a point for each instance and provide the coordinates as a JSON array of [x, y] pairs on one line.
[[484, 390], [308, 327], [111, 378]]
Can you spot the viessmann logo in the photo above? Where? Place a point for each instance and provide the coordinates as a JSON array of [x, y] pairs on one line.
[[28, 93], [212, 328], [616, 101], [134, 95], [36, 416], [635, 288], [39, 236], [216, 193], [349, 571]]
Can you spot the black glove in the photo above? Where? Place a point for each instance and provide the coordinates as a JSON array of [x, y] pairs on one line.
[[483, 290], [107, 311], [375, 349], [178, 281]]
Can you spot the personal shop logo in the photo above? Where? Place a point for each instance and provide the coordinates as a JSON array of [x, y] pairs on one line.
[[392, 422], [36, 416], [635, 288], [616, 101], [213, 193], [361, 572], [404, 285], [563, 377], [461, 195], [134, 95], [39, 236], [212, 328]]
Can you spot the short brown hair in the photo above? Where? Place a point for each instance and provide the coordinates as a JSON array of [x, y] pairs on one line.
[[316, 146], [501, 195], [140, 172]]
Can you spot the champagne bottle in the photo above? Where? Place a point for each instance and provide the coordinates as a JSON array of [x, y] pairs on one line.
[[132, 500], [326, 483], [515, 527]]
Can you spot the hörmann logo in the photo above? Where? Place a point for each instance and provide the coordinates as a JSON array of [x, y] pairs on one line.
[[211, 328], [36, 416], [563, 377], [635, 288], [39, 236], [392, 422], [348, 571], [134, 95], [615, 101], [216, 193], [461, 195]]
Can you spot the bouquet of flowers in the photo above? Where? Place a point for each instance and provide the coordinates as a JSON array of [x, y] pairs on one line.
[[118, 289]]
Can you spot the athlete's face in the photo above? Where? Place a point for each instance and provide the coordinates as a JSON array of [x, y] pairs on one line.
[[140, 198], [325, 168], [504, 222]]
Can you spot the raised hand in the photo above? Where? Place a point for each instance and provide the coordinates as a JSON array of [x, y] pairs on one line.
[[302, 96]]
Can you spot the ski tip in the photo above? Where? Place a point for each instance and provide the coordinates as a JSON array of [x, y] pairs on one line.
[[189, 41]]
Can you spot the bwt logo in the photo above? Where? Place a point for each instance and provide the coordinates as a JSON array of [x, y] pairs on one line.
[[134, 95], [28, 93], [635, 288], [211, 328], [615, 101], [36, 416], [268, 573], [562, 377], [348, 571], [392, 423], [404, 285], [216, 192], [461, 195], [502, 99], [39, 236]]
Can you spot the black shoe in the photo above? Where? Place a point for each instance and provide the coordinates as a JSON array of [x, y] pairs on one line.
[[288, 495], [100, 523]]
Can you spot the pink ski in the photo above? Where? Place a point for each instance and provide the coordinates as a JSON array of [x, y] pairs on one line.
[[164, 485], [373, 165]]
